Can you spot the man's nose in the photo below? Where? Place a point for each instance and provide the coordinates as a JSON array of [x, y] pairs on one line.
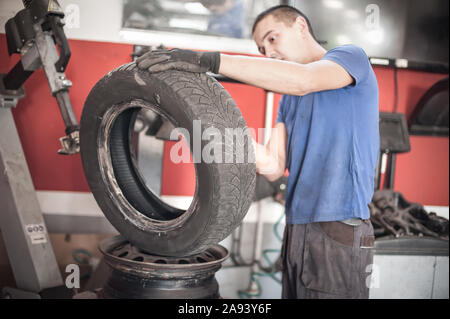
[[271, 54]]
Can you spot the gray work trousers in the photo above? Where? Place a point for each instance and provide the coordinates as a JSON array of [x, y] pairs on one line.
[[327, 260]]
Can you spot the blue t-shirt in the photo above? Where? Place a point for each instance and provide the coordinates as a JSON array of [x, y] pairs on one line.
[[332, 145]]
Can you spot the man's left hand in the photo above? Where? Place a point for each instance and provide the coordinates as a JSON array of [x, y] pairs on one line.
[[182, 60]]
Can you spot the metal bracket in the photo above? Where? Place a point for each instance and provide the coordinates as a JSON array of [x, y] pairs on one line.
[[59, 86], [49, 56], [70, 143], [9, 98]]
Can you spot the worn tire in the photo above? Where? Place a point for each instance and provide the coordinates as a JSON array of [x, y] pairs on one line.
[[223, 191]]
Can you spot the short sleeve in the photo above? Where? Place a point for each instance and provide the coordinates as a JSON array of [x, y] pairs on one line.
[[353, 59], [280, 116]]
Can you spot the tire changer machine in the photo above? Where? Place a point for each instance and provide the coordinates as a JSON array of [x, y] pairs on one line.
[[36, 32]]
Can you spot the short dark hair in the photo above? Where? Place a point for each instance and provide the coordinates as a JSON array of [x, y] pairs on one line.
[[285, 13]]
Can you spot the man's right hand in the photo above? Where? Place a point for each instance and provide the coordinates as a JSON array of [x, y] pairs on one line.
[[271, 159]]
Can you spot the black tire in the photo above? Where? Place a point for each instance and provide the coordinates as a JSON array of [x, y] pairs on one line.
[[223, 192]]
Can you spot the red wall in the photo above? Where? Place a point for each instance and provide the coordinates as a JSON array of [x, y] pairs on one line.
[[422, 175], [37, 116]]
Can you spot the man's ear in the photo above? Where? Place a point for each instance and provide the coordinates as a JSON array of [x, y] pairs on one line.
[[301, 24]]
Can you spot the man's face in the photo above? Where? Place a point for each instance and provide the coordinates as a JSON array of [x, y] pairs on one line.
[[277, 40]]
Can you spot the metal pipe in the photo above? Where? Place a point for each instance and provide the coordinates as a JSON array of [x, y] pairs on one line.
[[269, 116], [392, 171], [378, 172], [260, 223], [67, 113]]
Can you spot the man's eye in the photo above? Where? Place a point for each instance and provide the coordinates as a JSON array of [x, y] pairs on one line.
[[272, 39]]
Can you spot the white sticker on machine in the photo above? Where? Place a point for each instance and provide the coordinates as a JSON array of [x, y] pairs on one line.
[[37, 233]]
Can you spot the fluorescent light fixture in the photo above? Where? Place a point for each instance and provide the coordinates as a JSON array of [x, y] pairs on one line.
[[176, 6], [378, 61], [333, 4], [401, 63], [195, 8], [188, 24]]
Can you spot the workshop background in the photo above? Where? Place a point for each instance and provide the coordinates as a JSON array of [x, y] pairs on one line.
[[76, 224]]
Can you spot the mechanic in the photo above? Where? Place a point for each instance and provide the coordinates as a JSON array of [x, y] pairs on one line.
[[326, 135]]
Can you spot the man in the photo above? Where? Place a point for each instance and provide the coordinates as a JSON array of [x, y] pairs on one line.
[[326, 135], [227, 17]]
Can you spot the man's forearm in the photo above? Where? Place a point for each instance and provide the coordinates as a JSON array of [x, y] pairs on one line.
[[272, 75]]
